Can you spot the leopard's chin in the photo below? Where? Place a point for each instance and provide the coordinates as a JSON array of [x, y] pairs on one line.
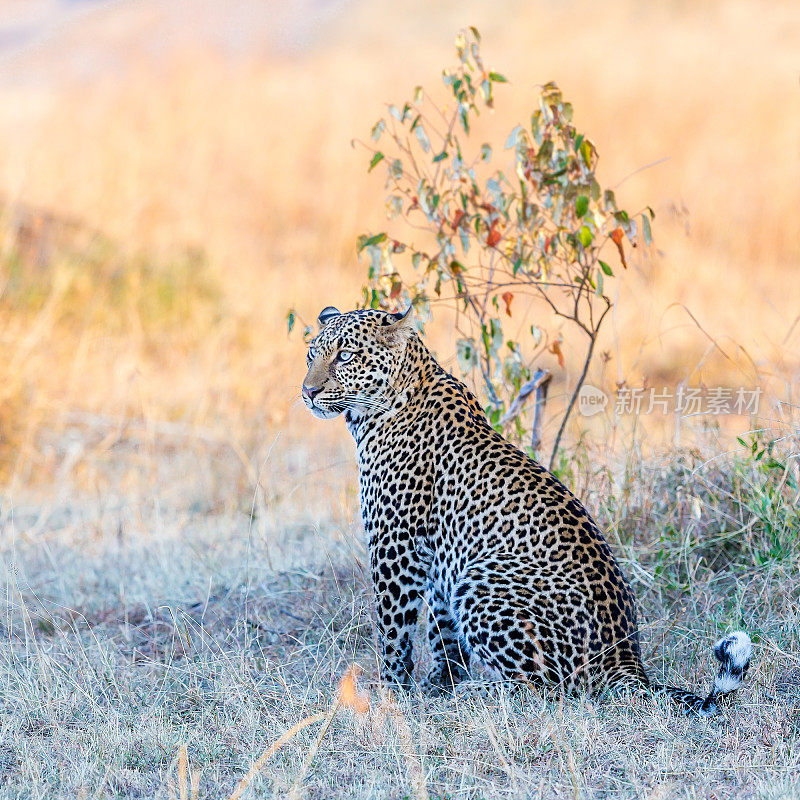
[[323, 413]]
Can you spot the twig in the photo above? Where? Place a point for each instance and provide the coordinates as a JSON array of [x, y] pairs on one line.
[[539, 383], [578, 386]]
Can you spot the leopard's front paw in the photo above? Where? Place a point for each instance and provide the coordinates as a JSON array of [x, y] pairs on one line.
[[397, 679], [443, 678]]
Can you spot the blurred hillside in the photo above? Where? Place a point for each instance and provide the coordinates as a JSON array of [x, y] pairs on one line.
[[174, 175]]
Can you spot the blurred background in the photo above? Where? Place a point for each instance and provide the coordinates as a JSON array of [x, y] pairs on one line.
[[175, 175]]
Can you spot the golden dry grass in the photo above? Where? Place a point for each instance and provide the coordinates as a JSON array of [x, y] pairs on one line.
[[246, 158]]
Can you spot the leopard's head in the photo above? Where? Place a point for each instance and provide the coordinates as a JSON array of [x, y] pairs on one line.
[[355, 360]]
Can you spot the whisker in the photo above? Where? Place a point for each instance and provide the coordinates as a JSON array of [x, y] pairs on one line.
[[367, 402]]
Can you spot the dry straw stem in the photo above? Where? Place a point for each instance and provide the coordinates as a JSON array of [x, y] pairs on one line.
[[346, 696], [194, 785], [569, 758], [183, 762], [296, 790], [259, 763], [492, 733], [416, 774]]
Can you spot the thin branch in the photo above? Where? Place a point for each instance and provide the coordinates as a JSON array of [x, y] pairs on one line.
[[578, 387]]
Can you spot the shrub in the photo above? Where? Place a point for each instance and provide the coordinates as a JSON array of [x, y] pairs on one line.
[[537, 228]]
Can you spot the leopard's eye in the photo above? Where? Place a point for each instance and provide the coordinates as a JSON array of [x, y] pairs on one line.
[[345, 356]]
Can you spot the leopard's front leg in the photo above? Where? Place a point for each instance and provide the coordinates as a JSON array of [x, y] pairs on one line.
[[398, 579], [450, 659]]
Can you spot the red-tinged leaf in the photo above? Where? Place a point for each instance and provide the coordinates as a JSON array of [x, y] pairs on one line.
[[507, 297], [457, 217], [350, 695], [397, 287], [555, 349], [616, 236], [494, 235]]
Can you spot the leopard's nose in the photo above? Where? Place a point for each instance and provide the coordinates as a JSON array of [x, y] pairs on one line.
[[310, 392]]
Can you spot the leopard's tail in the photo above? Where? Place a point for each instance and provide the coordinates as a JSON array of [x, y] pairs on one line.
[[734, 652]]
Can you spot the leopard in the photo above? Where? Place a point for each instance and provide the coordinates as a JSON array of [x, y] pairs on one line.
[[468, 532]]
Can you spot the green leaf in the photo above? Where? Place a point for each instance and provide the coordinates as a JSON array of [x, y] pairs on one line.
[[464, 115], [440, 157], [585, 236], [424, 141], [394, 206], [486, 152], [581, 205], [647, 233], [513, 137], [291, 316], [497, 77], [369, 241], [377, 129], [536, 127], [609, 199], [605, 267], [418, 94], [466, 354], [475, 33], [376, 159], [586, 152]]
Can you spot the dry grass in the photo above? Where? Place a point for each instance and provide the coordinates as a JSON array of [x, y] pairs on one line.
[[129, 629]]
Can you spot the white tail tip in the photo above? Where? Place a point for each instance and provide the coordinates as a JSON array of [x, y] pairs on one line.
[[734, 652]]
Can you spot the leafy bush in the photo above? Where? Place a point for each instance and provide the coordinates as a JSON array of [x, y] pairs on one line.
[[697, 518], [535, 228]]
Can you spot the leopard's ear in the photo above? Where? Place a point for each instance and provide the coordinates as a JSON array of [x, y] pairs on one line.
[[326, 315], [396, 328], [400, 319]]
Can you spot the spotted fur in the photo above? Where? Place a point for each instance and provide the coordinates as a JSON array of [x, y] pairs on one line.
[[507, 564]]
